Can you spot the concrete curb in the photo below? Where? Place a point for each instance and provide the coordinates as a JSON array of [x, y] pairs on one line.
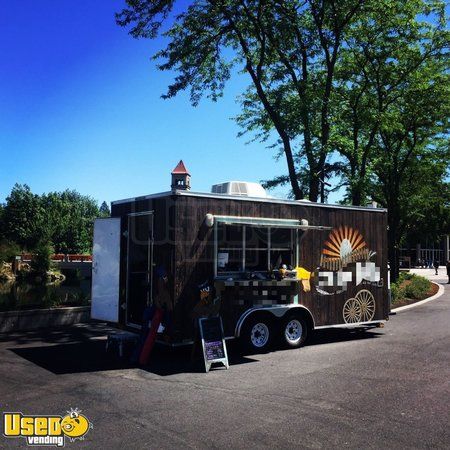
[[33, 319], [421, 302]]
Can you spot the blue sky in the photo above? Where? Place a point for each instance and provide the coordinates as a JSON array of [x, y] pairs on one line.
[[80, 108]]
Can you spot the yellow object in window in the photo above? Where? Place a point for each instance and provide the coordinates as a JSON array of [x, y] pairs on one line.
[[304, 275]]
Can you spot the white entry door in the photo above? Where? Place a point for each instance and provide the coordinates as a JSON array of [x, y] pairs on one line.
[[106, 270]]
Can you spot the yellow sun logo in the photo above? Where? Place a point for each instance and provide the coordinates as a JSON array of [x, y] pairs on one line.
[[342, 242]]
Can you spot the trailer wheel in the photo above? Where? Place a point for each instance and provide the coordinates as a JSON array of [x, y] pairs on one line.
[[294, 331], [257, 334]]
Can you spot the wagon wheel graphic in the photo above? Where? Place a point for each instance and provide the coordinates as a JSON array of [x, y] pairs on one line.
[[367, 305], [352, 311]]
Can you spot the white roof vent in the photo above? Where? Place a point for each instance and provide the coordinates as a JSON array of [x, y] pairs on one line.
[[241, 188]]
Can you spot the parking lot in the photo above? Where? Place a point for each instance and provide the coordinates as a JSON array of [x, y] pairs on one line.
[[385, 387]]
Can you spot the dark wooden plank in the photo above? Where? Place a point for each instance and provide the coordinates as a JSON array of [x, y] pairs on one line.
[[185, 247]]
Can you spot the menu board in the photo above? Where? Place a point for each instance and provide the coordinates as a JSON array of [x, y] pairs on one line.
[[214, 350], [213, 342]]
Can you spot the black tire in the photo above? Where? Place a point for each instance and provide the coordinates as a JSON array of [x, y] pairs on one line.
[[294, 331], [257, 334]]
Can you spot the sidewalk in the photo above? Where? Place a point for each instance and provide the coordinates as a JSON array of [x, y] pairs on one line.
[[441, 278]]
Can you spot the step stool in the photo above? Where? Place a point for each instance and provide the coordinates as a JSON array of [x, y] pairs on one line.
[[120, 339]]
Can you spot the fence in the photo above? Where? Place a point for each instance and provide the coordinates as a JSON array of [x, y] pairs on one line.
[[61, 257]]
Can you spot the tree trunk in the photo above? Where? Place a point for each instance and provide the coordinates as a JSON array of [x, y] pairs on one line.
[[357, 194], [314, 187], [356, 198], [393, 246], [298, 193]]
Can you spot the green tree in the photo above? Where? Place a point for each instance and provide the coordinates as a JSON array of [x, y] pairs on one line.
[[8, 250], [288, 48], [426, 214], [358, 88], [69, 220], [391, 117], [41, 261], [397, 53], [104, 210], [2, 213], [410, 177], [63, 219], [23, 217]]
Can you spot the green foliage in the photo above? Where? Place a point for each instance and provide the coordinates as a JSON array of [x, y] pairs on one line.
[[69, 221], [398, 292], [8, 250], [289, 49], [397, 97], [355, 88], [41, 260], [406, 276], [409, 286], [104, 210], [63, 218], [23, 217], [2, 212], [417, 288], [22, 295]]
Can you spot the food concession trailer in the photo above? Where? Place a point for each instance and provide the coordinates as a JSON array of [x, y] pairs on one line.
[[271, 268]]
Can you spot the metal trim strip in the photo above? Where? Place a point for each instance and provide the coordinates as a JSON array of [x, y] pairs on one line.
[[249, 199], [349, 325]]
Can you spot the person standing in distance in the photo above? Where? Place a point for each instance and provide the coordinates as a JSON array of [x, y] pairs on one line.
[[448, 270], [436, 266]]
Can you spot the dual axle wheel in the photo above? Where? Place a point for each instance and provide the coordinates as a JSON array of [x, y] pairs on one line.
[[260, 332]]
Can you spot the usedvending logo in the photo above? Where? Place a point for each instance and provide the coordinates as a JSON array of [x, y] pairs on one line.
[[46, 430]]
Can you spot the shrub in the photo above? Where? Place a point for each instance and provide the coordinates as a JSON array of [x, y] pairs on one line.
[[8, 250], [397, 292], [41, 260], [5, 271], [417, 288], [403, 276]]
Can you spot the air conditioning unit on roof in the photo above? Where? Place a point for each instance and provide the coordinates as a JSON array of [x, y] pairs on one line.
[[241, 188]]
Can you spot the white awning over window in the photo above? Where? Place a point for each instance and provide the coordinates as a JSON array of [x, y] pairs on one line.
[[301, 224]]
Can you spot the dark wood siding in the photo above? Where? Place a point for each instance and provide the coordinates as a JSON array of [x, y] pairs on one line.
[[185, 246], [194, 249], [163, 233]]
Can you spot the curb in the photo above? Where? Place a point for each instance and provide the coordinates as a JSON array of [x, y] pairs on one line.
[[32, 319], [421, 302]]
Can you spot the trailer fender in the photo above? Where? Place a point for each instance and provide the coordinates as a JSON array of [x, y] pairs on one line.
[[277, 311]]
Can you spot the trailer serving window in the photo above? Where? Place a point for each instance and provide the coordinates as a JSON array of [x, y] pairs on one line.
[[254, 247], [230, 255]]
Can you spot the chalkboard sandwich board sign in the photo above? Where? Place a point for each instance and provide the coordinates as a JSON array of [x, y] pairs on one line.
[[213, 342]]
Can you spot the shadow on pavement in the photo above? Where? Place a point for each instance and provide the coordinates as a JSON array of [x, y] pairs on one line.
[[81, 332], [91, 357], [77, 357], [80, 349], [332, 335]]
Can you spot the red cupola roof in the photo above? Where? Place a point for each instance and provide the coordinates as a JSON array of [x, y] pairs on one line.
[[180, 169]]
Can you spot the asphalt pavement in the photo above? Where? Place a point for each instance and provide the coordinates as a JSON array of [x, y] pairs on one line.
[[383, 388]]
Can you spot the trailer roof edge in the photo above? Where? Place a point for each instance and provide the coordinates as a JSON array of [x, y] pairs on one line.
[[142, 197], [247, 199]]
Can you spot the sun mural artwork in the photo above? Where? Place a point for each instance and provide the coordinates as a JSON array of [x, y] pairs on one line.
[[345, 259], [344, 245]]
